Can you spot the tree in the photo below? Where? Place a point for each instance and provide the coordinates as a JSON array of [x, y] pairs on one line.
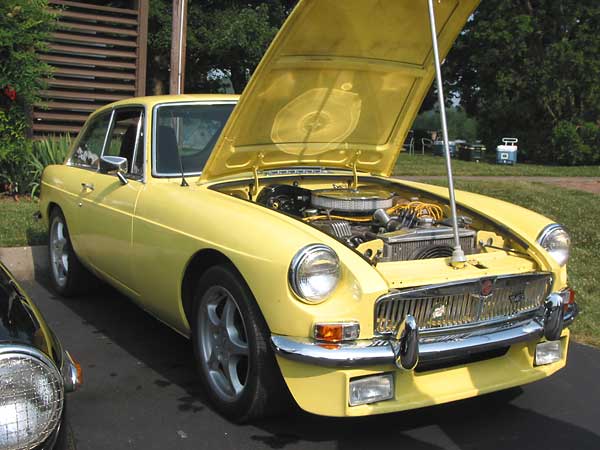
[[225, 40], [526, 68]]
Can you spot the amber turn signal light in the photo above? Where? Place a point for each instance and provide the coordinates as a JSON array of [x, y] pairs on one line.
[[570, 299], [336, 331]]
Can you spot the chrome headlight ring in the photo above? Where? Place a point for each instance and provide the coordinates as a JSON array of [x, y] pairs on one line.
[[32, 399], [556, 241], [314, 273]]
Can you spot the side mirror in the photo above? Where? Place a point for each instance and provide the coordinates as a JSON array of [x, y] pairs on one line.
[[116, 164]]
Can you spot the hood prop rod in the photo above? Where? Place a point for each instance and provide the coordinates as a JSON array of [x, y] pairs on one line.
[[458, 256]]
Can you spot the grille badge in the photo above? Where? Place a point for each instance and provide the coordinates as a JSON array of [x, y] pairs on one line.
[[485, 293]]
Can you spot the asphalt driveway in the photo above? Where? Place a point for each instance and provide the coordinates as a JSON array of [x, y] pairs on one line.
[[141, 392]]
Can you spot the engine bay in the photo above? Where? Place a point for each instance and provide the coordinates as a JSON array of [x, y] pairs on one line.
[[382, 224], [382, 220]]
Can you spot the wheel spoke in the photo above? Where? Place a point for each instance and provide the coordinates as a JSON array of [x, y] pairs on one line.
[[232, 375], [60, 245], [213, 318], [237, 347]]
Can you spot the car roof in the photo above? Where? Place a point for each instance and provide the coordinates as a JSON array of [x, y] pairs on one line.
[[152, 100]]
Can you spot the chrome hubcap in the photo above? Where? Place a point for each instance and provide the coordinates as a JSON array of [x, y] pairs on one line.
[[223, 344], [59, 257]]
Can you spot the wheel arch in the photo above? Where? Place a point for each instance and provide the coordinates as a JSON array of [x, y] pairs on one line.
[[50, 207], [199, 263]]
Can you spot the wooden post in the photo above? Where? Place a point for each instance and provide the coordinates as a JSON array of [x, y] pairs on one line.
[[178, 47], [142, 48]]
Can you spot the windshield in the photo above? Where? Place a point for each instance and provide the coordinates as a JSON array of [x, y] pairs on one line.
[[185, 135]]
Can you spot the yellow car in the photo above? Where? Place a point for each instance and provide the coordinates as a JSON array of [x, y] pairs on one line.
[[267, 229]]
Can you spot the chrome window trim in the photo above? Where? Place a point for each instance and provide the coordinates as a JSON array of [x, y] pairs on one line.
[[408, 292], [155, 109], [83, 132], [114, 110]]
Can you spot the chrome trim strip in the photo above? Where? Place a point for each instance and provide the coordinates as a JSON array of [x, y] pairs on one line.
[[370, 352], [69, 373]]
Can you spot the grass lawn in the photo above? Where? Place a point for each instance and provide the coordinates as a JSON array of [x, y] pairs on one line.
[[17, 225], [427, 165], [578, 212]]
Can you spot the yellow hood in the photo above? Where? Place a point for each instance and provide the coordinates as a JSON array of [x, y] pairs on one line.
[[340, 85]]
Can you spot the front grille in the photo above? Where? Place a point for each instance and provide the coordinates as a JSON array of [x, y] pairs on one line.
[[467, 303]]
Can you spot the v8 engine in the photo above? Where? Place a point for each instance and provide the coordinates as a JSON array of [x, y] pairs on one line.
[[408, 228]]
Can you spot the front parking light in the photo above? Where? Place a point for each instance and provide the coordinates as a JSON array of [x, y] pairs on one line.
[[371, 389], [336, 331]]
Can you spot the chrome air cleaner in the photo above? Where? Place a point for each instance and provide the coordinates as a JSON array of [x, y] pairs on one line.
[[362, 200]]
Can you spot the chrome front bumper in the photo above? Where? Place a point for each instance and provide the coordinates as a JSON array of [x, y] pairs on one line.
[[402, 350]]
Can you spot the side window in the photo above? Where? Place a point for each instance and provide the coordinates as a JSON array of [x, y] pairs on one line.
[[124, 139], [89, 148]]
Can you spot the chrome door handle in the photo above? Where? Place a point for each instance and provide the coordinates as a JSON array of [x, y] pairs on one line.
[[87, 186]]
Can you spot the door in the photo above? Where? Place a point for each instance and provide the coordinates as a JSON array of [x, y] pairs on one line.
[[109, 204]]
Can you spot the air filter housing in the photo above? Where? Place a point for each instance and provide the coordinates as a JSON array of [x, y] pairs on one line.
[[362, 200]]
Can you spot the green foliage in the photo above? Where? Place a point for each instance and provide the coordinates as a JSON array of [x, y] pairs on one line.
[[24, 25], [225, 41], [460, 125], [525, 68], [572, 145], [45, 153]]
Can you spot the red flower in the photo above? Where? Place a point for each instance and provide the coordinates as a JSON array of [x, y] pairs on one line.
[[10, 93]]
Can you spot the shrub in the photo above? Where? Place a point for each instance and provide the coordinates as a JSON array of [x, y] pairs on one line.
[[45, 153], [575, 145], [24, 26]]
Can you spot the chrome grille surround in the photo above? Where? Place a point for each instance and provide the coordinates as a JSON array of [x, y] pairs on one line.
[[454, 307]]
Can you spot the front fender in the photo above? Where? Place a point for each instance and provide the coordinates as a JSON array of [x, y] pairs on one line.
[[172, 224], [522, 223]]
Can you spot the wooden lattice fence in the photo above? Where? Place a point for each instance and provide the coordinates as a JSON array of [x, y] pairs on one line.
[[99, 55]]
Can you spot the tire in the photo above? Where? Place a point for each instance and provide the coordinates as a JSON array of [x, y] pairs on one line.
[[67, 275], [232, 349]]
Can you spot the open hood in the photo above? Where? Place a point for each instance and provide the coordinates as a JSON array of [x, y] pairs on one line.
[[339, 87]]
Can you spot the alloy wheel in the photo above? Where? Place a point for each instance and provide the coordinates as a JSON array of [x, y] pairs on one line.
[[224, 352], [59, 254]]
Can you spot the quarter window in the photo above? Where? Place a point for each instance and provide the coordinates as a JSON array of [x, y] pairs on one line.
[[124, 139], [89, 147]]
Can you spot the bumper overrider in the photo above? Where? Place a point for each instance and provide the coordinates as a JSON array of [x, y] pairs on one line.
[[407, 348]]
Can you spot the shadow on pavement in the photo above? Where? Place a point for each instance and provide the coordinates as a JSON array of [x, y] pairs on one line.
[[488, 422]]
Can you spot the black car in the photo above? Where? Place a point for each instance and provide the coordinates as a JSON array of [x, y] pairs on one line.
[[35, 374]]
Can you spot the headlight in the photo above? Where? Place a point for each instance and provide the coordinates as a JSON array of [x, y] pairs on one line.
[[557, 242], [314, 273], [31, 402]]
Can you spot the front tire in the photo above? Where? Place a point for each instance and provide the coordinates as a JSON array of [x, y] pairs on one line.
[[232, 349], [67, 274]]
